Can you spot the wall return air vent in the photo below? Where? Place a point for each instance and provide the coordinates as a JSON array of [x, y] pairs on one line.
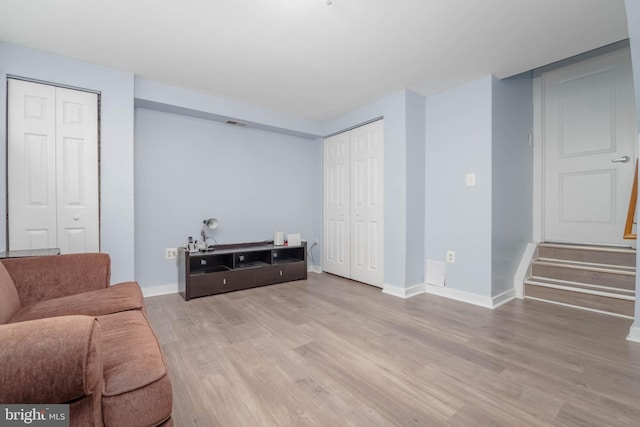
[[235, 123]]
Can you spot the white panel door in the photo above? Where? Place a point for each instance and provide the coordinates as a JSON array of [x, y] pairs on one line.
[[367, 243], [31, 166], [336, 214], [77, 171], [52, 159], [589, 128]]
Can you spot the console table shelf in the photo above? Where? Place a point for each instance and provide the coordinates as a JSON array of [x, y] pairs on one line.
[[239, 266]]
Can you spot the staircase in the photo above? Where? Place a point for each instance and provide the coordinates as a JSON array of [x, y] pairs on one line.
[[595, 278]]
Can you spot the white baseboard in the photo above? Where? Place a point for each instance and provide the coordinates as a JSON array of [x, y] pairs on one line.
[[154, 291], [503, 298], [314, 269], [399, 292], [471, 298], [634, 334], [458, 295]]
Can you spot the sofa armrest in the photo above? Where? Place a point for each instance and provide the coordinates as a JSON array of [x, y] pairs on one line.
[[43, 278], [53, 360]]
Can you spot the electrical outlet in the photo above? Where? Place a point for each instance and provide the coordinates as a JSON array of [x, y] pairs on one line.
[[171, 253], [451, 256]]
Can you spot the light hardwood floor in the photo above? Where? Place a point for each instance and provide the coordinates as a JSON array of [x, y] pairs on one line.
[[330, 352]]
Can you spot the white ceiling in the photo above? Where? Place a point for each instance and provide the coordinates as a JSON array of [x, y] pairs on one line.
[[309, 59]]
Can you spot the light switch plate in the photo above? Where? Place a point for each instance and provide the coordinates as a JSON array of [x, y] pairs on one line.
[[471, 180]]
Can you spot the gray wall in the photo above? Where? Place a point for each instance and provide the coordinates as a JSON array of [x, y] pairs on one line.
[[163, 97], [482, 127], [116, 142], [512, 177], [188, 169], [415, 171], [425, 196], [458, 141], [119, 90], [633, 22]]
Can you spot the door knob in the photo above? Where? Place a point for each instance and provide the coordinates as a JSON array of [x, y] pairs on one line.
[[623, 159], [76, 217]]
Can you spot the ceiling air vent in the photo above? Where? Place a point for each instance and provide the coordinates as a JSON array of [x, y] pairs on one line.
[[235, 123]]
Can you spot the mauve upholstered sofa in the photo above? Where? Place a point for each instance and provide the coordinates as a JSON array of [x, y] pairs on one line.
[[66, 336]]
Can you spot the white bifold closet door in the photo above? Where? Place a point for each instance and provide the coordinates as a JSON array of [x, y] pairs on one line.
[[337, 218], [52, 166], [353, 244]]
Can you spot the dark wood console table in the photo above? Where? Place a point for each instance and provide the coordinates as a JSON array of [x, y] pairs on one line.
[[239, 266], [29, 253]]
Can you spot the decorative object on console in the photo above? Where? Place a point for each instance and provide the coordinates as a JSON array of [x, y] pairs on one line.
[[191, 245], [208, 224], [294, 239], [278, 238]]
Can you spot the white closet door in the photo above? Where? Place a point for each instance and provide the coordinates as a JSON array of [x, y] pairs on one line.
[[77, 171], [353, 204], [367, 233], [31, 167], [52, 158], [336, 195]]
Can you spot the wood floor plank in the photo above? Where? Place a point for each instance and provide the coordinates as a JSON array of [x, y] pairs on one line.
[[328, 352]]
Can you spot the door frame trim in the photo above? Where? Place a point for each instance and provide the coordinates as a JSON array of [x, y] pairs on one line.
[[538, 161], [48, 83]]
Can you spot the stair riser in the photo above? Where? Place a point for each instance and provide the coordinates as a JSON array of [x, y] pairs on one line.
[[596, 257], [583, 287], [594, 302], [593, 277]]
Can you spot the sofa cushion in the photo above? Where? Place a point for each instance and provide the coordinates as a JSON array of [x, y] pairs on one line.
[[137, 390], [9, 301], [122, 297]]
